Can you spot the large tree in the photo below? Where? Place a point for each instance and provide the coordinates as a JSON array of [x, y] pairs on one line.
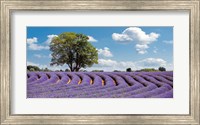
[[74, 50]]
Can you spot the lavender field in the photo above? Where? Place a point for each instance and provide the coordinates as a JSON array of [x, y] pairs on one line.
[[100, 84]]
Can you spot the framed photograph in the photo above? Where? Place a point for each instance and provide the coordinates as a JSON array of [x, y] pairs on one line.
[[99, 65], [100, 62]]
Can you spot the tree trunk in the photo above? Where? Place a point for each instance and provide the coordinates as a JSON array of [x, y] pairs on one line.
[[77, 69], [71, 68]]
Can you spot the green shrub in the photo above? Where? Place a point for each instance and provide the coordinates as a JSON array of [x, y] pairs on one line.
[[161, 69], [97, 70], [33, 68], [148, 70], [128, 70]]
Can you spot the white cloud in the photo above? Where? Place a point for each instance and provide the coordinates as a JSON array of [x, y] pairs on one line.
[[105, 52], [122, 38], [32, 44], [169, 66], [168, 41], [151, 62], [111, 65], [49, 38], [32, 40], [31, 63], [36, 64], [40, 56], [135, 34], [108, 62], [53, 68], [91, 39], [37, 47], [141, 48], [127, 64]]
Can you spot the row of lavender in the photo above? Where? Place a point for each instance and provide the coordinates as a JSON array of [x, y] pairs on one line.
[[100, 84]]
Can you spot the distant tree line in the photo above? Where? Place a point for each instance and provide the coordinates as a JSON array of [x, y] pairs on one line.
[[36, 68], [147, 70], [31, 68]]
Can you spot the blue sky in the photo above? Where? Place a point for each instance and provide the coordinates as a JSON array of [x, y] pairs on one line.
[[118, 47]]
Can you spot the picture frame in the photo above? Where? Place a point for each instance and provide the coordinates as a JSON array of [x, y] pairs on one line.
[[9, 6]]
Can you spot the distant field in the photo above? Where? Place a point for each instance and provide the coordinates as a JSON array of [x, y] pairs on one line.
[[100, 84]]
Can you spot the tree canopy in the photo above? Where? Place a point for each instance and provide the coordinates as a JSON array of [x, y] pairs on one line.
[[161, 69], [74, 50], [128, 70]]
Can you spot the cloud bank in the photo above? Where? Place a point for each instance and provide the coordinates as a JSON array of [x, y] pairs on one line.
[[137, 35], [105, 52], [91, 39], [111, 65]]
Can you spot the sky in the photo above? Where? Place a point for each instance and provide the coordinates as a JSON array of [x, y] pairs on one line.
[[118, 48]]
